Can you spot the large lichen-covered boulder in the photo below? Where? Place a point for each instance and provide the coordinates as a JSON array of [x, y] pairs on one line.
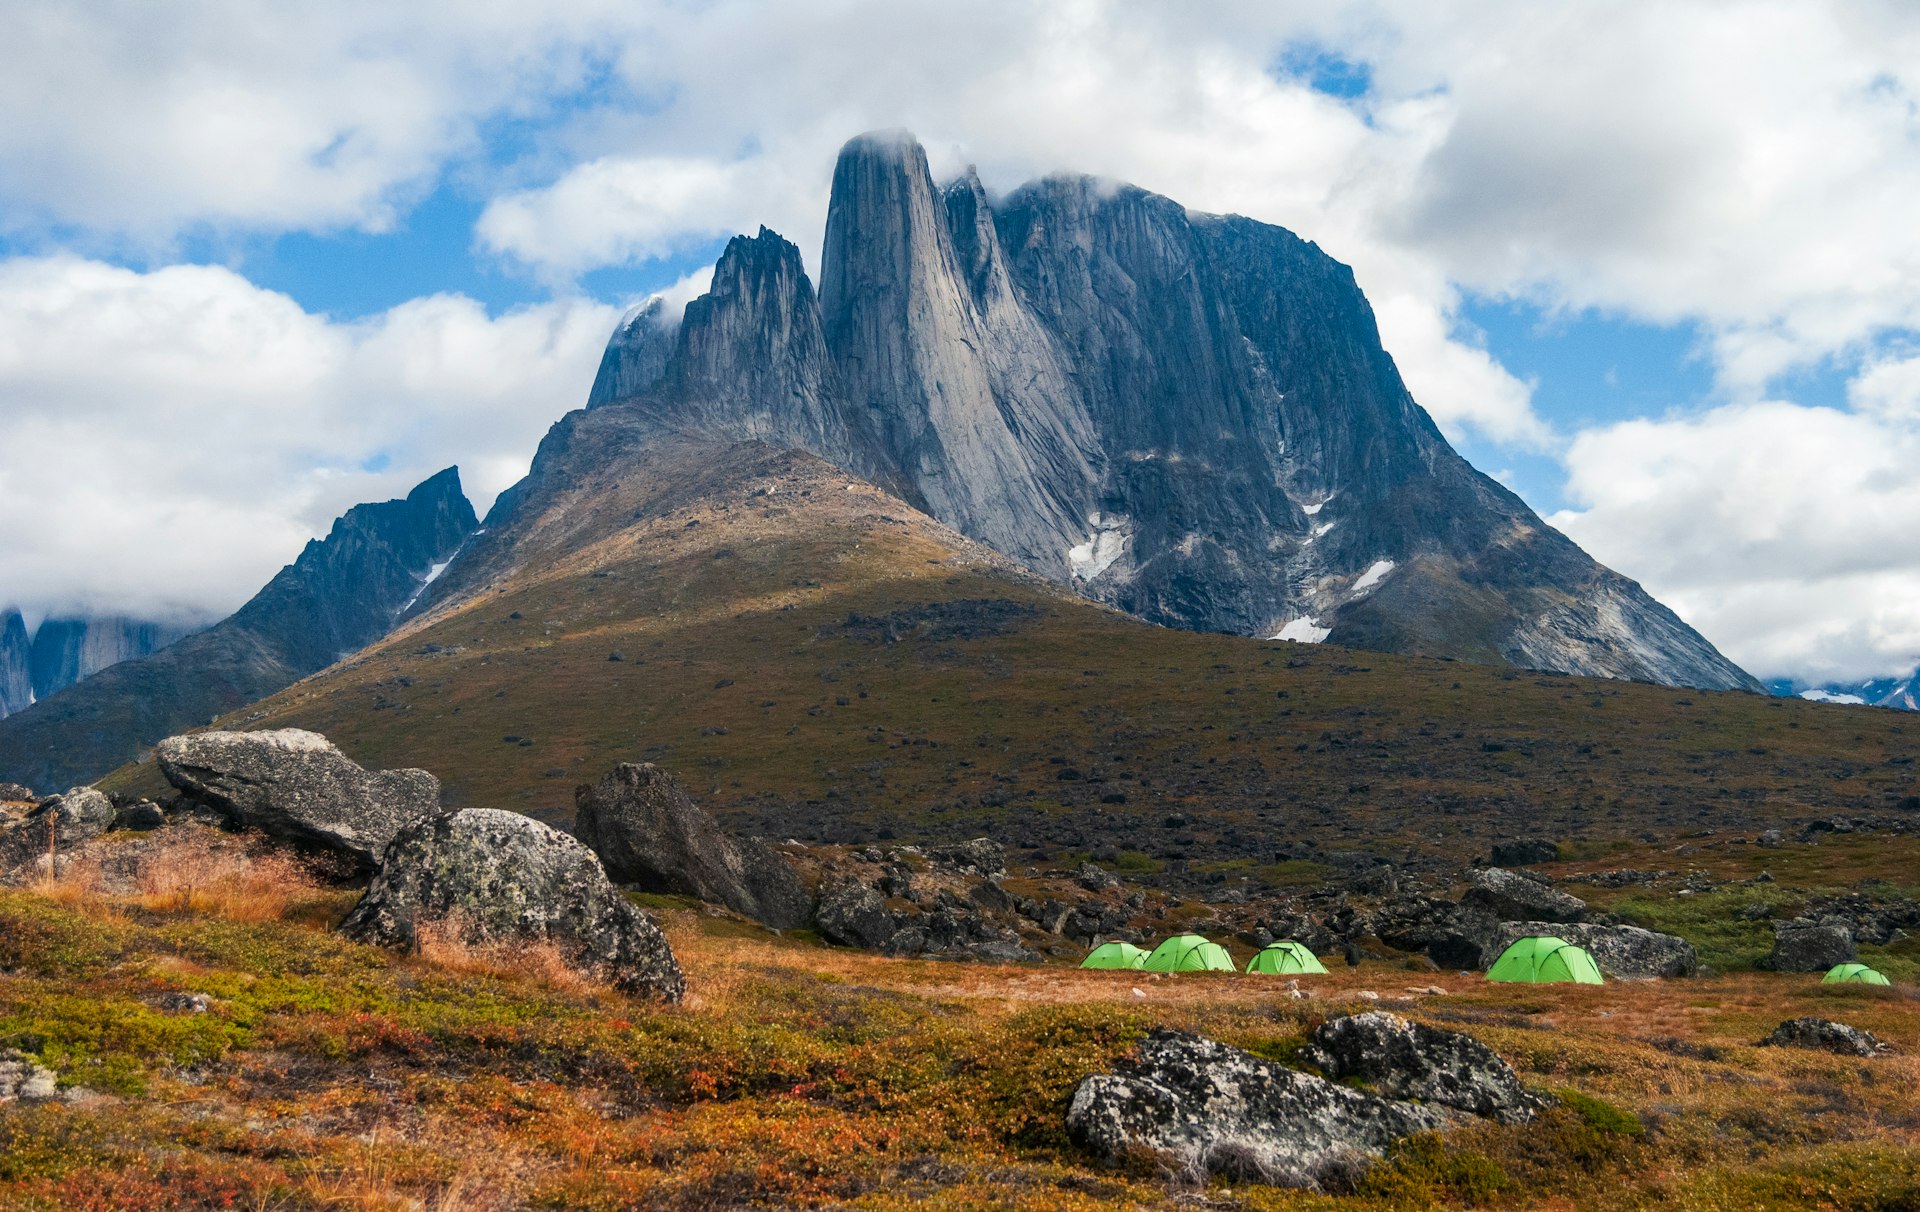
[[1212, 1109], [296, 786], [649, 833], [1811, 946], [498, 877], [57, 825], [1513, 897], [1452, 936], [1827, 1036], [1622, 952], [1402, 1059]]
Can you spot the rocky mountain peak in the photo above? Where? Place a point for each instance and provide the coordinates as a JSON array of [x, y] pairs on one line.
[[1188, 416]]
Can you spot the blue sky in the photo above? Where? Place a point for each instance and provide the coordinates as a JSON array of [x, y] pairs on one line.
[[1654, 267]]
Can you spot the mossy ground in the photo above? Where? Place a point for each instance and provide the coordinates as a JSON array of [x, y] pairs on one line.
[[334, 1076]]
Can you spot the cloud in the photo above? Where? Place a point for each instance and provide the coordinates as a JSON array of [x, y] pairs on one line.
[[1783, 532], [173, 437]]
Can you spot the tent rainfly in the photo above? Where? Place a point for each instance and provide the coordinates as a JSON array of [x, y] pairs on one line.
[[1544, 959], [1853, 974], [1189, 953], [1285, 958], [1115, 955]]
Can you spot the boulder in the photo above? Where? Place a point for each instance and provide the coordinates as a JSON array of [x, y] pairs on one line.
[[1217, 1110], [296, 786], [1825, 1035], [24, 1079], [1804, 945], [493, 877], [1411, 1060], [1623, 952], [854, 915], [59, 824], [1512, 897], [983, 856], [1461, 937], [1522, 853], [649, 833], [17, 793], [141, 816]]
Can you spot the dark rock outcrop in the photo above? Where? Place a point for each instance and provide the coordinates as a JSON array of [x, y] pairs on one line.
[[649, 833], [1188, 416], [498, 877], [1803, 945], [1411, 1060], [343, 593], [57, 825], [296, 786], [1461, 937], [1624, 952], [981, 856], [1524, 852], [1827, 1036], [1217, 1110], [855, 914], [1515, 898]]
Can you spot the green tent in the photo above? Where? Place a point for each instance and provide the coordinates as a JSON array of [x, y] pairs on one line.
[[1115, 955], [1189, 953], [1285, 958], [1541, 959], [1853, 974]]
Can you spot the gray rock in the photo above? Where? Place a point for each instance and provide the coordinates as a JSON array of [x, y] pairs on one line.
[[494, 876], [24, 1079], [854, 915], [16, 793], [57, 825], [296, 786], [982, 856], [1827, 1036], [649, 833], [1411, 1060], [1525, 852], [1772, 839], [1217, 1110], [1802, 945], [185, 1003], [1515, 898], [1624, 952], [141, 816], [1461, 937], [1093, 878]]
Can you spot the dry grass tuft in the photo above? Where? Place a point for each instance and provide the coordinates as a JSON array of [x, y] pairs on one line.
[[193, 869], [450, 946]]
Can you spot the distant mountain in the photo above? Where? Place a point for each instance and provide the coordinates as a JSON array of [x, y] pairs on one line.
[[67, 650], [343, 593], [1188, 416], [16, 663], [1902, 693]]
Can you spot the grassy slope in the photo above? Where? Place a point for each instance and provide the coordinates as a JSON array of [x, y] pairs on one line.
[[334, 1076], [730, 601]]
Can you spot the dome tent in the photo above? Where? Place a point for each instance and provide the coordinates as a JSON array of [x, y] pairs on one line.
[[1115, 955], [1544, 959], [1285, 958], [1853, 974], [1189, 953]]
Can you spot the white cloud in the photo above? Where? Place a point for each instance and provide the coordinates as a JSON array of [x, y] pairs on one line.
[[173, 437], [1784, 533]]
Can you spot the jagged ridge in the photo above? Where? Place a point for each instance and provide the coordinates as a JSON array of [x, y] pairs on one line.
[[1188, 416]]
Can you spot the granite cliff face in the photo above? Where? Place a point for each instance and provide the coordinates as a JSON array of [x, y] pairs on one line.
[[16, 653], [343, 593], [68, 650], [1188, 416]]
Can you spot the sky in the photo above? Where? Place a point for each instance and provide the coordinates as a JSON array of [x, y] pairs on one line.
[[1653, 265]]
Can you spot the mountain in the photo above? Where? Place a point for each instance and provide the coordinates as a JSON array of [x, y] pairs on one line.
[[16, 657], [1901, 693], [1187, 416], [67, 650], [816, 658], [342, 593]]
